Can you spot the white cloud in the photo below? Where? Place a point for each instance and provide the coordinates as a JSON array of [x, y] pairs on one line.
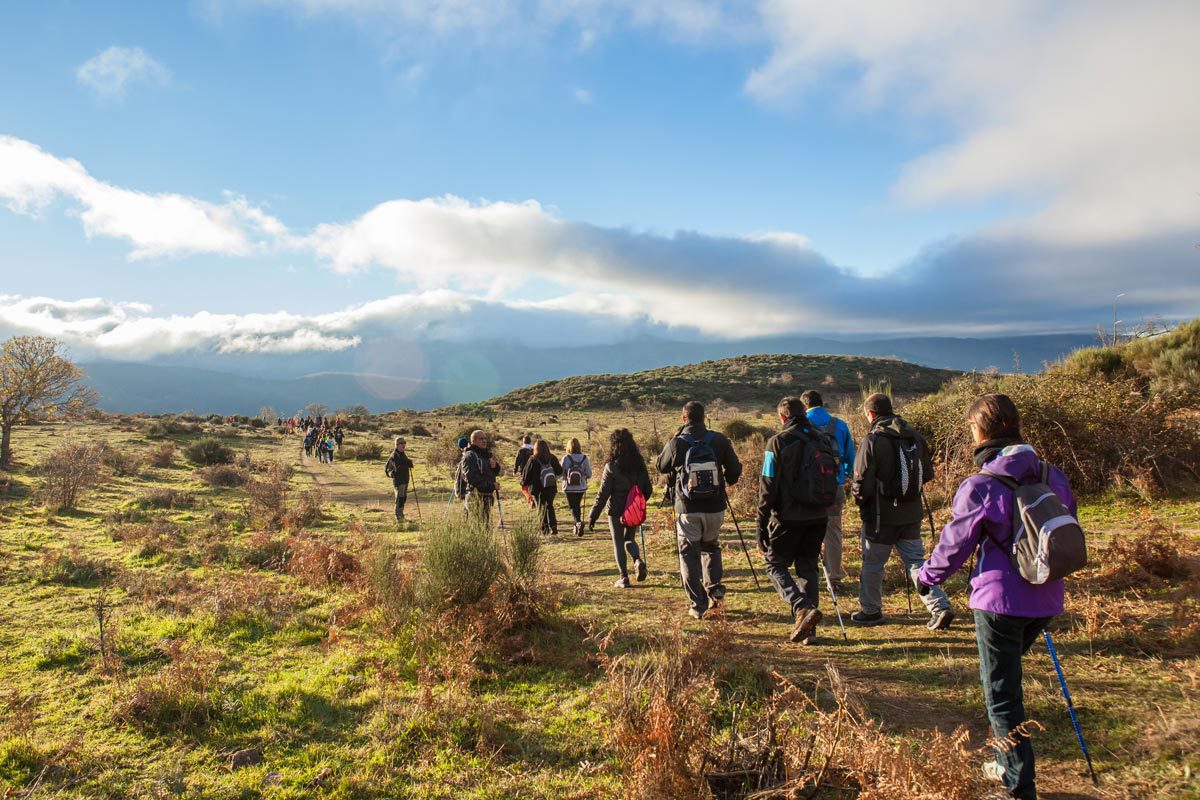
[[110, 72], [1084, 106], [582, 96], [155, 224]]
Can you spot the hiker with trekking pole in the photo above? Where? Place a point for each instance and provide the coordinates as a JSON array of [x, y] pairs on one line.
[[700, 463], [540, 477], [890, 470], [1017, 516], [480, 473], [839, 431], [399, 469], [624, 488], [796, 489]]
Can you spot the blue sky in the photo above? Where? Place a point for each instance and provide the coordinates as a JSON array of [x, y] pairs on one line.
[[919, 149]]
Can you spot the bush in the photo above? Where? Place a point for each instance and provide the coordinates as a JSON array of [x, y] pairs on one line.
[[208, 451], [309, 508], [389, 578], [68, 472], [268, 496], [162, 498], [420, 430], [460, 562], [162, 456], [363, 451], [181, 694], [69, 566], [222, 475], [1097, 430], [120, 461], [739, 430], [524, 551]]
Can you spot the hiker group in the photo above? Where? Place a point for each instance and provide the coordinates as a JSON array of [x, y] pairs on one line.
[[322, 437], [1017, 516]]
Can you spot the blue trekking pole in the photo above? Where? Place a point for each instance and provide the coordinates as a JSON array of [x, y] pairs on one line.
[[1062, 681]]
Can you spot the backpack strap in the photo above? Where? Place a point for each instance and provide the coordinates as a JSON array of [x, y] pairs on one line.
[[708, 438], [687, 437], [1007, 481]]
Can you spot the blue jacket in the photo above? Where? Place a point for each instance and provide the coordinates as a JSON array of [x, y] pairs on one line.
[[820, 418]]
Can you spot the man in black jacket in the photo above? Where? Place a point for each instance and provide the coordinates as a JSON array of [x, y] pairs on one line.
[[523, 454], [789, 532], [399, 468], [699, 504], [480, 472], [890, 468]]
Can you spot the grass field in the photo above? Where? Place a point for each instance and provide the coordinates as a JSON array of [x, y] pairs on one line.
[[212, 648]]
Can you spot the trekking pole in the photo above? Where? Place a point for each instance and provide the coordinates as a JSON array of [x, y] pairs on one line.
[[833, 596], [642, 533], [745, 550], [500, 510], [412, 483], [1062, 681]]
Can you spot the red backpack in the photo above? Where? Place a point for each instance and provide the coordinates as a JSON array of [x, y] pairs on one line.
[[635, 509]]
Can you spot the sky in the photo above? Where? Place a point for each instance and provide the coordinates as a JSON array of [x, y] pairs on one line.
[[296, 176]]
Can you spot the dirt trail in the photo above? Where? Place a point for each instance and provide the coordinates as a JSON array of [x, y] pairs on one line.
[[758, 619]]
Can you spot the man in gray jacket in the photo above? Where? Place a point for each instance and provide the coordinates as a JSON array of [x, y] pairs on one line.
[[700, 463]]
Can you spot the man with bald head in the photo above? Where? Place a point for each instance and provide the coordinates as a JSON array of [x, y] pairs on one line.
[[480, 471]]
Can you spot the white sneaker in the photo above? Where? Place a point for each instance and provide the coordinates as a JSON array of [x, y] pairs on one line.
[[993, 771]]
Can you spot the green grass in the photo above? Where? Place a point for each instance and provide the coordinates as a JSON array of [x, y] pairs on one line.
[[349, 698]]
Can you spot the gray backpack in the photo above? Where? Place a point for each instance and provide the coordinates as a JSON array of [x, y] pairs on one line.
[[1047, 542]]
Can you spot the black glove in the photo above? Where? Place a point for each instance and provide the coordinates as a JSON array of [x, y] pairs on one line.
[[592, 524]]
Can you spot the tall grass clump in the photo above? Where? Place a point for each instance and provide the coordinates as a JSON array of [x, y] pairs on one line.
[[68, 472], [458, 565]]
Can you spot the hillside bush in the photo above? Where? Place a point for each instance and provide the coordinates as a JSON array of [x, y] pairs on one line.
[[363, 451], [1098, 431], [121, 460], [740, 429], [223, 476], [161, 456], [68, 472], [268, 496], [420, 430], [207, 452], [458, 565]]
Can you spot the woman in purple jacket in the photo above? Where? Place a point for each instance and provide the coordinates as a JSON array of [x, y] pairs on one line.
[[1010, 612]]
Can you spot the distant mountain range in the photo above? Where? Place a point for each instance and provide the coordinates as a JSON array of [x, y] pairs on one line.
[[424, 375]]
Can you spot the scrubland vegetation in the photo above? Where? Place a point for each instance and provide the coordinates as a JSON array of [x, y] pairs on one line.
[[206, 614]]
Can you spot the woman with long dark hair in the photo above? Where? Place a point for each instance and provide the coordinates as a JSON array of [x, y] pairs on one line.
[[1010, 612], [625, 469], [541, 477]]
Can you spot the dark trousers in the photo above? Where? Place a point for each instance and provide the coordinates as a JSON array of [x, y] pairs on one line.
[[1002, 640], [401, 499], [544, 499], [575, 502], [624, 540], [797, 547]]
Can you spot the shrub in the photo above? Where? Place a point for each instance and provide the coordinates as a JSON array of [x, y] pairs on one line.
[[162, 498], [120, 461], [208, 451], [268, 496], [389, 578], [181, 694], [444, 451], [318, 563], [420, 430], [739, 430], [459, 563], [363, 451], [161, 456], [68, 472], [523, 553], [71, 567], [309, 508], [222, 475]]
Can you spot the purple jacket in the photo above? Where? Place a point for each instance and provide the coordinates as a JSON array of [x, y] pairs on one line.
[[983, 515]]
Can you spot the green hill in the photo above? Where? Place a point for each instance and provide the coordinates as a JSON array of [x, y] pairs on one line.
[[744, 380]]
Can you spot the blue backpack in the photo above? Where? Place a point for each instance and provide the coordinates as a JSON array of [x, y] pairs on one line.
[[700, 477]]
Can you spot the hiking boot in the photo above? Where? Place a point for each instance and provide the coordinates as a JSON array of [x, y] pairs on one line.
[[940, 620], [622, 582], [579, 529], [865, 619], [695, 613], [640, 566], [993, 771], [806, 623], [809, 641]]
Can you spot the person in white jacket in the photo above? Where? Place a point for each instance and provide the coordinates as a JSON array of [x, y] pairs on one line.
[[577, 471]]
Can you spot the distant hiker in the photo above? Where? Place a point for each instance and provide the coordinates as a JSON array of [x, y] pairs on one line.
[[700, 463], [796, 491], [577, 471], [329, 445], [461, 489], [310, 439], [399, 469], [625, 469], [540, 476], [890, 470], [523, 454], [338, 437], [839, 431], [480, 471], [1010, 612]]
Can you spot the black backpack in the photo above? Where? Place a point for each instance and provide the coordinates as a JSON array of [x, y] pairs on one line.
[[574, 472], [905, 485], [700, 477], [809, 468]]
